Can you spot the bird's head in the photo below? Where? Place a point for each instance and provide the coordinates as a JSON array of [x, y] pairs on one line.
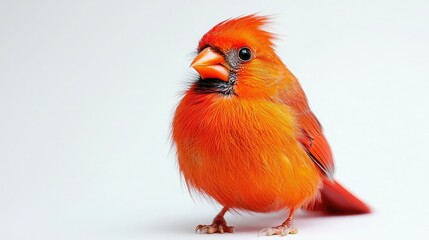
[[236, 57]]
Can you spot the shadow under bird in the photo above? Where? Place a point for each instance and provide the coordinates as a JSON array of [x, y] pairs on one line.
[[246, 136]]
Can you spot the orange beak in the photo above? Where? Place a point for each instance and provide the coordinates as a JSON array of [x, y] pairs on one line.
[[210, 64]]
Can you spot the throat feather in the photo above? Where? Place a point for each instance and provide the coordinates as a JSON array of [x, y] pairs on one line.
[[212, 85]]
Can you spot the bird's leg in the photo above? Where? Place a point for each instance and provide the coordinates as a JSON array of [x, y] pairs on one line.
[[218, 225], [283, 229]]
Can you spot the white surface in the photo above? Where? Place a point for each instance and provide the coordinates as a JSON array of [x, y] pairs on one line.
[[88, 88]]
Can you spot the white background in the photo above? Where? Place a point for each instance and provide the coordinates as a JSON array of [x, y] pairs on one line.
[[88, 89]]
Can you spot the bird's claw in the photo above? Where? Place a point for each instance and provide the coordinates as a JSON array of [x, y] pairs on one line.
[[279, 230], [214, 228]]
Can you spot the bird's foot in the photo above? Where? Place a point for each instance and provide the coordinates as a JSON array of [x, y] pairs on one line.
[[282, 230], [218, 226]]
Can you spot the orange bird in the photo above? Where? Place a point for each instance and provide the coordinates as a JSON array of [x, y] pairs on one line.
[[246, 136]]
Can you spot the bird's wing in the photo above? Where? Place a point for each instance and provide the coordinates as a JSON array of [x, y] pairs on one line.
[[315, 143], [312, 137]]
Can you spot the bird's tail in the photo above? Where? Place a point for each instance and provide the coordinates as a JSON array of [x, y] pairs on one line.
[[334, 198]]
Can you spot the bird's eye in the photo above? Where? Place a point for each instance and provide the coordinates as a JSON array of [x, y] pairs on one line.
[[244, 54]]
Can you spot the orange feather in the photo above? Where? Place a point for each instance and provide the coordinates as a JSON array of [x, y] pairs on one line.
[[244, 132], [237, 152]]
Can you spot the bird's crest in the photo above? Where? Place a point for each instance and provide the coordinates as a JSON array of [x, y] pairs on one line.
[[239, 31]]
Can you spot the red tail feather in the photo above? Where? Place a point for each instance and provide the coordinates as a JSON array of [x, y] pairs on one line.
[[336, 199]]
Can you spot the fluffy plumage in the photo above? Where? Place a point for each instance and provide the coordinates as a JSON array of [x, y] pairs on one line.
[[245, 134]]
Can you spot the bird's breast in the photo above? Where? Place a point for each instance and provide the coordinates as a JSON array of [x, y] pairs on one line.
[[242, 152]]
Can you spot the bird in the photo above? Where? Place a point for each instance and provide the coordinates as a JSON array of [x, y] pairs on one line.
[[245, 135]]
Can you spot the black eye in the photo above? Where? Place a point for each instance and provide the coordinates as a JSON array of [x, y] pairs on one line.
[[244, 54]]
